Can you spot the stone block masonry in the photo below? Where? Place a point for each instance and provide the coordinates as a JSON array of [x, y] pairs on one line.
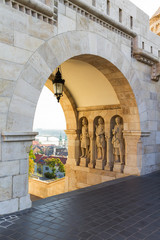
[[34, 40]]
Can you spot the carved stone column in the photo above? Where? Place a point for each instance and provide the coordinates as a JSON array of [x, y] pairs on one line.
[[73, 159], [92, 152], [133, 151], [73, 147], [109, 163]]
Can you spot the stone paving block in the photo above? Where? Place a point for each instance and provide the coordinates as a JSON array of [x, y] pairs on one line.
[[103, 213]]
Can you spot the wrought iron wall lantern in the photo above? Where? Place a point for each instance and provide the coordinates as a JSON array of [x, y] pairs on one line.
[[58, 84]]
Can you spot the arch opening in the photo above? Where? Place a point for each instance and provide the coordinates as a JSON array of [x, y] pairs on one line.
[[109, 95], [116, 71], [49, 151]]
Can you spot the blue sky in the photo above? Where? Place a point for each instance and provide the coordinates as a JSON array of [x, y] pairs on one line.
[[49, 114]]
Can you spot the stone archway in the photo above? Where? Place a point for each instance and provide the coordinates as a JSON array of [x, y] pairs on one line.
[[110, 61], [93, 49]]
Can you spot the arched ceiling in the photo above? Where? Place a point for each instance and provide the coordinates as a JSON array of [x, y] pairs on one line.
[[87, 85]]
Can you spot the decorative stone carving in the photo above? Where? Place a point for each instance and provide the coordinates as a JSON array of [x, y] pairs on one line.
[[36, 9], [118, 145], [101, 18], [100, 139], [145, 57], [142, 55], [100, 144], [155, 75], [38, 6], [85, 143]]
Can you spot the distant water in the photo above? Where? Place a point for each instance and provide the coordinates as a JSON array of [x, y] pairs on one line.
[[48, 140], [50, 132]]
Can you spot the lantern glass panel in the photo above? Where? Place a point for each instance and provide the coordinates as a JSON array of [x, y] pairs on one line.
[[55, 88], [59, 88]]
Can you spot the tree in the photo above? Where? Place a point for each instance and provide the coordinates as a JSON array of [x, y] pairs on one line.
[[31, 162], [52, 163], [60, 165]]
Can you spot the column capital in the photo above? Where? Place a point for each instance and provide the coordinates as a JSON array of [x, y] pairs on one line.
[[127, 133], [18, 136], [72, 131], [72, 134]]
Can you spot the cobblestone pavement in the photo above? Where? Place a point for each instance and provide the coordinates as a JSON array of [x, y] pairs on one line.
[[124, 209]]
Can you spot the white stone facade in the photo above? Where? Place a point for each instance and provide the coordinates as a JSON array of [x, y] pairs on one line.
[[34, 42]]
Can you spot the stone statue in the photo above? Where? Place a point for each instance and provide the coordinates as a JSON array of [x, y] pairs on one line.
[[100, 139], [117, 141], [84, 138]]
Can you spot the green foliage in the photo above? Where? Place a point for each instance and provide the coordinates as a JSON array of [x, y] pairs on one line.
[[31, 167], [52, 163], [60, 165], [50, 175], [31, 154], [31, 162], [39, 168]]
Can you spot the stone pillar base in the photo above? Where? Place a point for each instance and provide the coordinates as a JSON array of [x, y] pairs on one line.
[[108, 168], [100, 164], [84, 162], [25, 202], [9, 206], [15, 204], [118, 167], [91, 165]]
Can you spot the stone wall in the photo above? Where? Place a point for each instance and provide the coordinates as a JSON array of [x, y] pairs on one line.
[[44, 189], [140, 20], [32, 46], [81, 177], [91, 168]]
